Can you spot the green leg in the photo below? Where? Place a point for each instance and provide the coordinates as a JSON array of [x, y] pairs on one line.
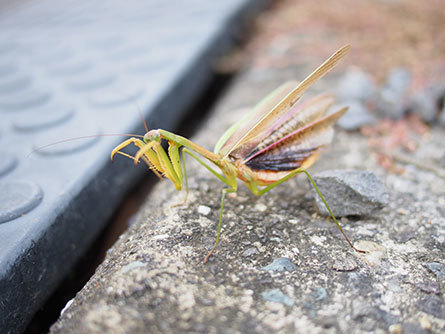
[[218, 233], [229, 180], [256, 191], [185, 176], [210, 169]]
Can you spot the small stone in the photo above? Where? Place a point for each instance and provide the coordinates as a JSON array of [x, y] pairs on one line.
[[356, 116], [250, 251], [424, 104], [67, 306], [391, 98], [350, 193], [204, 210], [432, 305], [132, 265], [390, 103], [275, 295], [404, 236], [437, 268], [399, 79], [347, 264], [260, 207], [318, 294], [280, 265], [360, 309], [412, 328], [395, 329], [429, 287], [356, 85], [425, 322], [442, 116]]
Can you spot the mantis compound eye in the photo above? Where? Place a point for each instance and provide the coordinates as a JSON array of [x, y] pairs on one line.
[[152, 135]]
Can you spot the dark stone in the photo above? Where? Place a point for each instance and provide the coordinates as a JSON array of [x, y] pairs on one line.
[[250, 251], [350, 193], [348, 264], [404, 236], [437, 268], [399, 79], [280, 265], [424, 104], [356, 116], [391, 98], [318, 294], [412, 328], [429, 287], [356, 85], [432, 305], [275, 295]]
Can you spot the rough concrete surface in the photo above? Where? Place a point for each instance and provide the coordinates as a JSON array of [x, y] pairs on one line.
[[153, 280]]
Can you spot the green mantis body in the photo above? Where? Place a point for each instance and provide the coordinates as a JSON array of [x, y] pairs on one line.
[[275, 141]]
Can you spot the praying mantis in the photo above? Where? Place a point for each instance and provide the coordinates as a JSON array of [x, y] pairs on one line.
[[276, 140]]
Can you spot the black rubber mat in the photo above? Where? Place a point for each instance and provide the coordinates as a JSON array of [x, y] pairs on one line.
[[78, 68]]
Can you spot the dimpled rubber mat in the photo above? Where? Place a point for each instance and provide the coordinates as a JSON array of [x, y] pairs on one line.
[[78, 68]]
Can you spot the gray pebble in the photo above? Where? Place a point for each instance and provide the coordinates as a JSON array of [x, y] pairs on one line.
[[424, 104], [132, 265], [390, 103], [250, 251], [350, 193], [348, 264], [318, 294], [391, 98], [442, 161], [442, 116], [399, 79], [437, 268], [404, 235], [429, 287], [356, 116], [432, 305], [275, 295], [356, 85], [412, 328], [280, 265]]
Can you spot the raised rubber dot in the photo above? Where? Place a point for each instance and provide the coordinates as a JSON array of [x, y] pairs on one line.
[[42, 118], [18, 198], [114, 96], [129, 52], [7, 163], [72, 68], [70, 138], [151, 65], [107, 43], [12, 84], [29, 99], [53, 57], [7, 69], [90, 82]]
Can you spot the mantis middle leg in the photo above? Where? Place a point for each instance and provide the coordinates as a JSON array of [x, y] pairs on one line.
[[254, 188], [229, 180]]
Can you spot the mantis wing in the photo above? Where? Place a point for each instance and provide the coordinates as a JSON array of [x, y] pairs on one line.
[[237, 130], [296, 118], [293, 150], [246, 137]]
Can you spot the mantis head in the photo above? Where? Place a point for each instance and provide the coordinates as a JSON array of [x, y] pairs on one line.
[[152, 135]]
